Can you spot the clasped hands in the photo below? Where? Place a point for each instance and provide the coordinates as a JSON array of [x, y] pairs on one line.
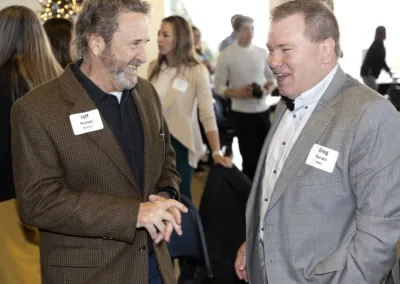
[[160, 216]]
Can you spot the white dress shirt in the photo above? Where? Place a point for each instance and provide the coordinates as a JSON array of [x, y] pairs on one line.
[[286, 135]]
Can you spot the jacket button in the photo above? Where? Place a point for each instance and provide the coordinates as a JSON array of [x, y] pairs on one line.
[[142, 248]]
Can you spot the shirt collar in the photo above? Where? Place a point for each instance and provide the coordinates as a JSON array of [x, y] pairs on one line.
[[94, 92], [313, 95]]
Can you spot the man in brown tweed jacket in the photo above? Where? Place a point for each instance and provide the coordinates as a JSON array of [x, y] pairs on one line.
[[93, 161]]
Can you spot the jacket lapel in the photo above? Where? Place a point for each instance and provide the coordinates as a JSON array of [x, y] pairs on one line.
[[253, 204], [144, 111], [103, 138], [317, 123]]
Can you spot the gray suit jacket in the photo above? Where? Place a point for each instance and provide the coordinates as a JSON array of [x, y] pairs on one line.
[[339, 227]]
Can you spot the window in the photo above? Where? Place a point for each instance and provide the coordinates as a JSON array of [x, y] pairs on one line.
[[213, 18], [358, 20]]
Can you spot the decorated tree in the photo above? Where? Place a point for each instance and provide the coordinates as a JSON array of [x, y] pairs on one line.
[[58, 9]]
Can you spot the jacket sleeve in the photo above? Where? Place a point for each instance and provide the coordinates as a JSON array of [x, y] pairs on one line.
[[374, 173], [44, 199], [381, 54], [205, 99], [221, 75]]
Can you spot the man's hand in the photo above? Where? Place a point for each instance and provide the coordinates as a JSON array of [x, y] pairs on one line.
[[168, 225], [160, 216], [240, 263], [268, 87], [244, 92]]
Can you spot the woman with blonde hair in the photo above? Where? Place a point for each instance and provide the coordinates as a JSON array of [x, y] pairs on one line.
[[26, 61], [182, 83]]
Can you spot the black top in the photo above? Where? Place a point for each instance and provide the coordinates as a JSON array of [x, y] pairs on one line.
[[7, 191], [122, 118], [375, 60], [124, 121]]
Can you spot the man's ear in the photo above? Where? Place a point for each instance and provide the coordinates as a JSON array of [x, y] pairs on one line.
[[96, 44], [327, 50]]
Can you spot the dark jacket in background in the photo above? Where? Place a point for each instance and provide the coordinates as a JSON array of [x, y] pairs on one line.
[[7, 185], [375, 60], [222, 211]]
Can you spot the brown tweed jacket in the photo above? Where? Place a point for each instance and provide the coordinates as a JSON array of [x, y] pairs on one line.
[[79, 190]]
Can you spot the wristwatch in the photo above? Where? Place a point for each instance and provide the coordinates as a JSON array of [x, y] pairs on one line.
[[217, 153]]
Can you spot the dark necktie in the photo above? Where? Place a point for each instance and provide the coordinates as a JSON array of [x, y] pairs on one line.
[[289, 103]]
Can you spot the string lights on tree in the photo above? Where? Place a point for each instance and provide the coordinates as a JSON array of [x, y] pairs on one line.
[[58, 9]]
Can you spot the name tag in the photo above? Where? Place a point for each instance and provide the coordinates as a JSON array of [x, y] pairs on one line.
[[322, 158], [180, 85], [86, 122]]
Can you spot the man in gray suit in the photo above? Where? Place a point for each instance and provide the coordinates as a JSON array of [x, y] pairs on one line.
[[325, 202]]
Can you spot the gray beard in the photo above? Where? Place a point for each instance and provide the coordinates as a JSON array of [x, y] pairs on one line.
[[117, 71], [122, 81]]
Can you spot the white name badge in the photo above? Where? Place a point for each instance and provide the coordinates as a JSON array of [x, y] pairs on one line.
[[322, 158], [86, 122], [180, 85]]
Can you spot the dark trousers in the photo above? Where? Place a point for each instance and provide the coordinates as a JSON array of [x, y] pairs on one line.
[[251, 130], [154, 273], [183, 167]]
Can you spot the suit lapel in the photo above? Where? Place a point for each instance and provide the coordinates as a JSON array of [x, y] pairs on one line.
[[103, 138], [315, 126], [144, 111]]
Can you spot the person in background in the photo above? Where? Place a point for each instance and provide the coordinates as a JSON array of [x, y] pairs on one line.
[[228, 41], [325, 203], [59, 31], [375, 60], [241, 65], [182, 83], [94, 169], [26, 61], [200, 53]]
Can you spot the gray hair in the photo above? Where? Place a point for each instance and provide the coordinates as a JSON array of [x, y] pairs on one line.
[[100, 17]]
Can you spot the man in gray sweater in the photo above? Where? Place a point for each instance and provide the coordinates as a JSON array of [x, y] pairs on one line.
[[238, 66]]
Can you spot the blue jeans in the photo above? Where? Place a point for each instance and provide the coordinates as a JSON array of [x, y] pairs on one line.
[[154, 273]]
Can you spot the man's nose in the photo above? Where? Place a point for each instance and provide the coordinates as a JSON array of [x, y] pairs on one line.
[[274, 60], [142, 54]]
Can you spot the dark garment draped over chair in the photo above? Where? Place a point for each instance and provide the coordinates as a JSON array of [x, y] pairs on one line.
[[222, 210]]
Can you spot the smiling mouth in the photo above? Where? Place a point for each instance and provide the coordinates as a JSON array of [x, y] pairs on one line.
[[131, 67], [280, 77]]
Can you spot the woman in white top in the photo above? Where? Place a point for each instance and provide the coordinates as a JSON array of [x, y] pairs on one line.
[[183, 86]]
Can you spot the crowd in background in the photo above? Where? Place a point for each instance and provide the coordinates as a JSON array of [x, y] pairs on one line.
[[182, 84]]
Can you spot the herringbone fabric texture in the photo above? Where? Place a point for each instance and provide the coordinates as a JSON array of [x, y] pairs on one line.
[[79, 190]]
